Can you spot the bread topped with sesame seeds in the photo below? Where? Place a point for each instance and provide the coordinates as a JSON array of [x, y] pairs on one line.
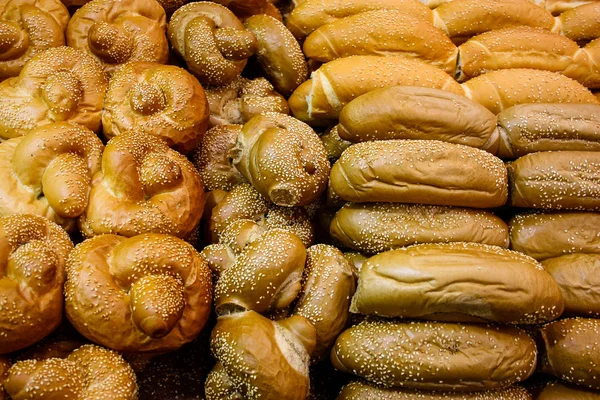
[[560, 390], [29, 27], [580, 23], [89, 372], [163, 100], [115, 32]]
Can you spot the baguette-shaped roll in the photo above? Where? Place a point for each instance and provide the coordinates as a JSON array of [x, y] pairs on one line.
[[581, 23], [382, 33], [373, 228], [457, 282], [457, 357], [462, 19], [544, 235], [559, 390], [529, 128], [420, 171], [568, 349], [338, 82], [311, 14], [410, 112], [578, 276], [556, 180], [498, 90]]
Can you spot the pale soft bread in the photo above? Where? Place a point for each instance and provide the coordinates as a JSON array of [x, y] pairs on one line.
[[580, 23]]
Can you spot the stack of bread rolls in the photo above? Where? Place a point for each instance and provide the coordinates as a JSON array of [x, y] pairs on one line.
[[299, 199]]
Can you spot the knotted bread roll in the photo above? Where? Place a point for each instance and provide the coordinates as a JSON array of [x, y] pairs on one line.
[[59, 84], [33, 256], [143, 186], [49, 172], [116, 32], [89, 372], [154, 296], [163, 100], [28, 27]]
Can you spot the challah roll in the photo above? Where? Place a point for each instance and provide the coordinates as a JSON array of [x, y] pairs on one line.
[[89, 372], [580, 23], [498, 90], [455, 357], [420, 171], [59, 84], [560, 390], [163, 100], [150, 293], [410, 112], [338, 82], [115, 33], [28, 27], [556, 180]]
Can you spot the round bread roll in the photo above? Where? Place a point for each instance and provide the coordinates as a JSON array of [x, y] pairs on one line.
[[89, 372], [376, 227], [48, 172], [544, 235], [464, 281], [278, 53], [580, 23], [247, 8], [28, 27], [455, 357], [358, 390], [578, 276], [59, 84], [260, 358], [420, 171], [529, 128], [282, 158], [556, 180], [163, 100], [143, 186], [557, 390], [242, 99], [498, 90], [338, 82], [568, 350], [462, 19], [150, 293], [409, 112], [382, 32], [34, 252], [309, 15], [212, 41], [115, 33]]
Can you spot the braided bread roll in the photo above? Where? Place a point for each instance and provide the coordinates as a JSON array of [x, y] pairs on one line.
[[59, 84], [89, 372], [212, 41], [163, 100], [115, 33], [33, 256], [148, 293], [143, 186], [28, 27], [49, 171]]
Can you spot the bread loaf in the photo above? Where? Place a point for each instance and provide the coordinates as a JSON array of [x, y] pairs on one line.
[[580, 23]]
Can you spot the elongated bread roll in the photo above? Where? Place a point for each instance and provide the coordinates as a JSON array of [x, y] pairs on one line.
[[581, 23], [560, 390]]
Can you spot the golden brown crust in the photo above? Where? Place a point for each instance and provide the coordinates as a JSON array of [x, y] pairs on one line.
[[565, 180], [115, 33], [143, 186], [33, 253], [28, 27], [420, 171], [559, 390], [580, 23], [247, 8], [149, 293], [334, 144], [59, 84], [163, 100], [90, 372]]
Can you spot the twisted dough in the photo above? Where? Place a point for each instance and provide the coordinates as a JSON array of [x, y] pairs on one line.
[[48, 172], [143, 186], [28, 27], [33, 254], [116, 32], [148, 293], [160, 99], [59, 84]]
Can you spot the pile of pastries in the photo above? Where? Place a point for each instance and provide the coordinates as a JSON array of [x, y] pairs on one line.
[[305, 199]]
